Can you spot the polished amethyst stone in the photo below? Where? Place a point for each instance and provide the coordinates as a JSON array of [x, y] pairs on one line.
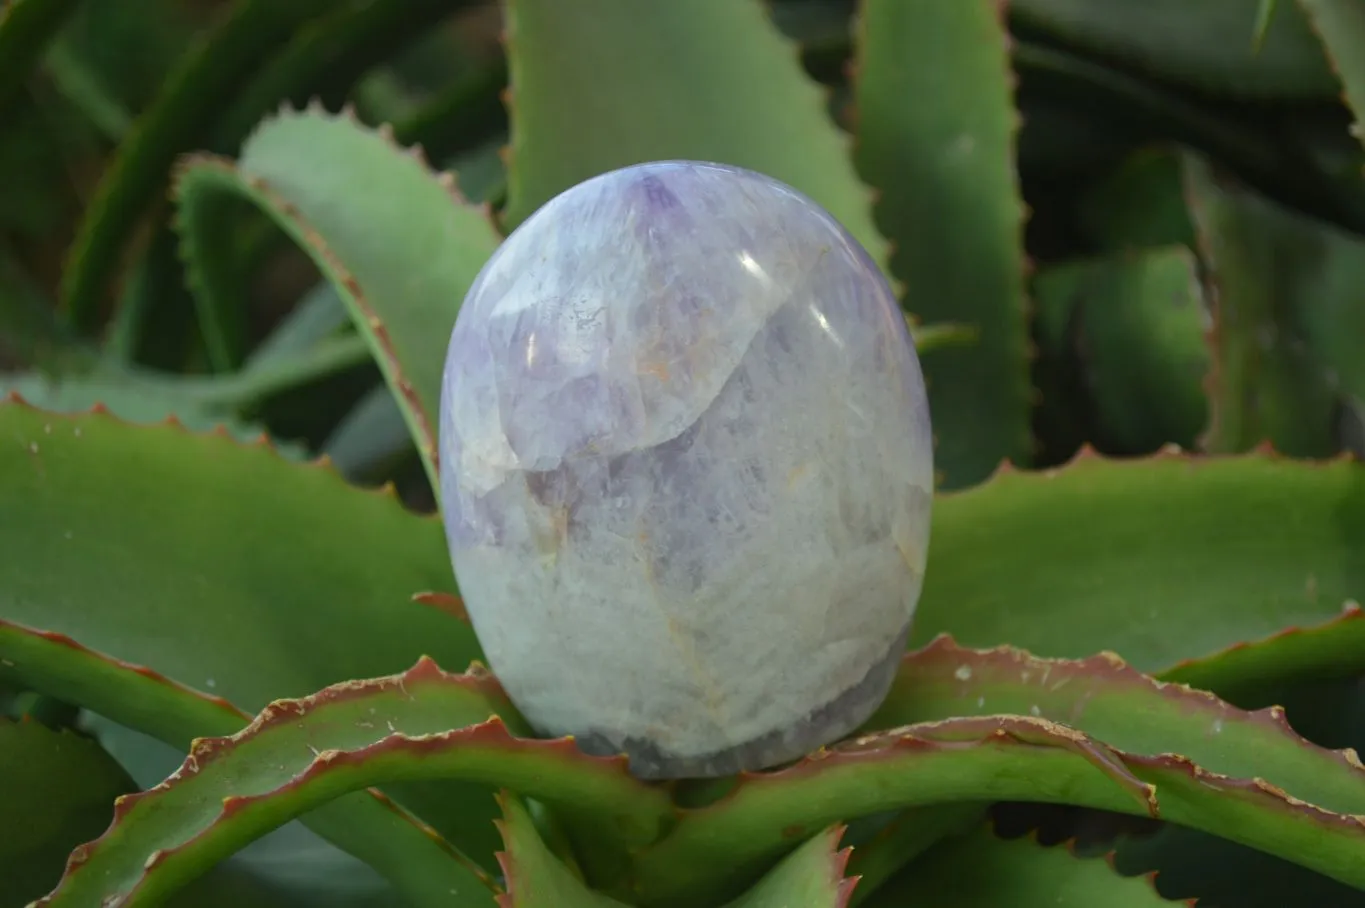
[[686, 470]]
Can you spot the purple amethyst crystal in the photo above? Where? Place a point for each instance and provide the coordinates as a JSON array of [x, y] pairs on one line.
[[686, 470]]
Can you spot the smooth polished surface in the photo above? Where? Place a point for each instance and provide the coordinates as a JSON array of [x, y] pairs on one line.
[[686, 470]]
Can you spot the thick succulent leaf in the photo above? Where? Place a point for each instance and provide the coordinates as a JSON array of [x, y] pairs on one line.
[[30, 332], [328, 56], [1331, 650], [948, 198], [979, 759], [79, 558], [1341, 26], [1114, 703], [1135, 325], [297, 755], [371, 437], [1302, 277], [982, 869], [535, 877], [902, 837], [208, 74], [111, 61], [1141, 204], [57, 789], [1114, 554], [1264, 384], [402, 253], [602, 84], [420, 864], [319, 314], [1210, 45], [133, 399], [811, 876], [25, 27], [166, 566]]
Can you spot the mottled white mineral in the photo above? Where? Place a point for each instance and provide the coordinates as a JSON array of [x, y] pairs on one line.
[[686, 470]]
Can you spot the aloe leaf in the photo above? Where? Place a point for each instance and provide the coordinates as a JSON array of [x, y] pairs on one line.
[[1114, 703], [1263, 385], [205, 76], [319, 314], [371, 437], [1327, 651], [402, 253], [535, 877], [1205, 45], [986, 758], [327, 57], [603, 84], [81, 84], [909, 834], [127, 51], [298, 755], [1134, 322], [456, 118], [1109, 554], [25, 27], [195, 503], [144, 400], [367, 825], [811, 876], [1304, 274], [982, 869], [57, 789], [29, 331], [1141, 204], [947, 161], [1340, 24]]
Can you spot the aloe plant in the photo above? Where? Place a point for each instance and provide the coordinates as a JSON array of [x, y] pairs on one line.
[[235, 664]]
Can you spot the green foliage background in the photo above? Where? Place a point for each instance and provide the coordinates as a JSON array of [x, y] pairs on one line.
[[234, 234]]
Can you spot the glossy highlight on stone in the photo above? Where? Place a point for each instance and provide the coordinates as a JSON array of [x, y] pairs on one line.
[[686, 470]]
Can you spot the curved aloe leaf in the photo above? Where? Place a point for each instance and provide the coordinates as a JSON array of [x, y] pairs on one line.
[[984, 758], [1114, 703], [25, 27], [369, 825], [1331, 650], [1211, 45], [982, 869], [1135, 324], [1110, 554], [75, 562], [1340, 24], [1263, 385], [947, 160], [75, 558], [395, 239], [205, 77], [328, 56], [57, 789], [535, 877], [603, 84], [298, 755], [908, 834], [811, 876]]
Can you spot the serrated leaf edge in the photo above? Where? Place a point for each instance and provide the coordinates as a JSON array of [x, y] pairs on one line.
[[1110, 665], [263, 442], [694, 824]]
